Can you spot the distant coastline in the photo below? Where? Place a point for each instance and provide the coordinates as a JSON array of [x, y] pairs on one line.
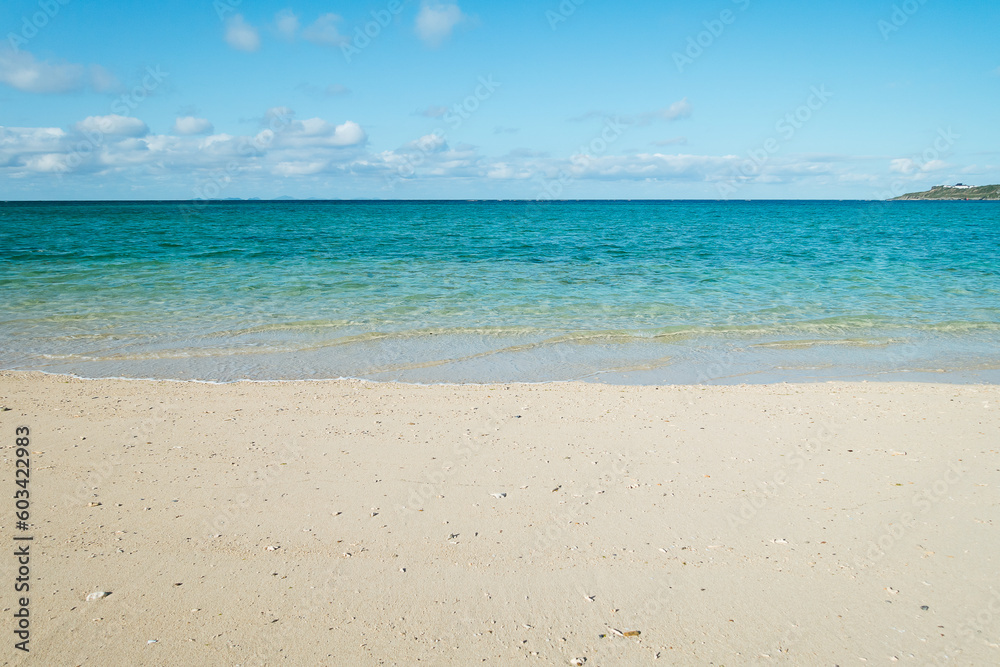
[[954, 192]]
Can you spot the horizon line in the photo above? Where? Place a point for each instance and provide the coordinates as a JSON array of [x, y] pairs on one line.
[[281, 200]]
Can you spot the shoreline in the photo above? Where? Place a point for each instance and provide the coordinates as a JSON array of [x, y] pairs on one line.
[[864, 379], [383, 523]]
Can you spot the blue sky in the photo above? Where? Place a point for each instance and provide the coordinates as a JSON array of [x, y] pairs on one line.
[[472, 99]]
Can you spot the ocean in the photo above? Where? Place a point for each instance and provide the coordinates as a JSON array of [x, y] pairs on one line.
[[656, 292]]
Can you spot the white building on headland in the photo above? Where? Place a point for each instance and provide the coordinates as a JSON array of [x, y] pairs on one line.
[[961, 186]]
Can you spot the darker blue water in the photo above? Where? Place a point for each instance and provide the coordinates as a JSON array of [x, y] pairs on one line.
[[483, 291]]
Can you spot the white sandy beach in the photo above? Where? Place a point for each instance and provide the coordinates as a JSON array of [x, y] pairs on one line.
[[346, 522]]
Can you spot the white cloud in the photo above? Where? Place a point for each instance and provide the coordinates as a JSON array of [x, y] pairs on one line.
[[299, 168], [287, 23], [30, 136], [125, 153], [113, 125], [649, 165], [96, 143], [907, 166], [31, 148], [241, 35], [21, 70], [316, 148], [188, 125], [903, 165], [113, 144], [504, 171], [681, 109], [48, 163], [324, 31], [436, 21], [429, 143], [430, 156], [316, 132]]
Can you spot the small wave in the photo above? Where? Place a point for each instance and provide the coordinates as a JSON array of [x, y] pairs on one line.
[[305, 326], [650, 365], [959, 327], [852, 342]]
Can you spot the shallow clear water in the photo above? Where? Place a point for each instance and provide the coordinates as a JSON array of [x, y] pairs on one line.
[[647, 292]]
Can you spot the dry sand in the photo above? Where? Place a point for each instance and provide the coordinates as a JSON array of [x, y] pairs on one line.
[[362, 523]]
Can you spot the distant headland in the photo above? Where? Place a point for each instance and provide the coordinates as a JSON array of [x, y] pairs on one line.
[[959, 191]]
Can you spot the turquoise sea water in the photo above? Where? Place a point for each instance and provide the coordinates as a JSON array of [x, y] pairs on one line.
[[632, 292]]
